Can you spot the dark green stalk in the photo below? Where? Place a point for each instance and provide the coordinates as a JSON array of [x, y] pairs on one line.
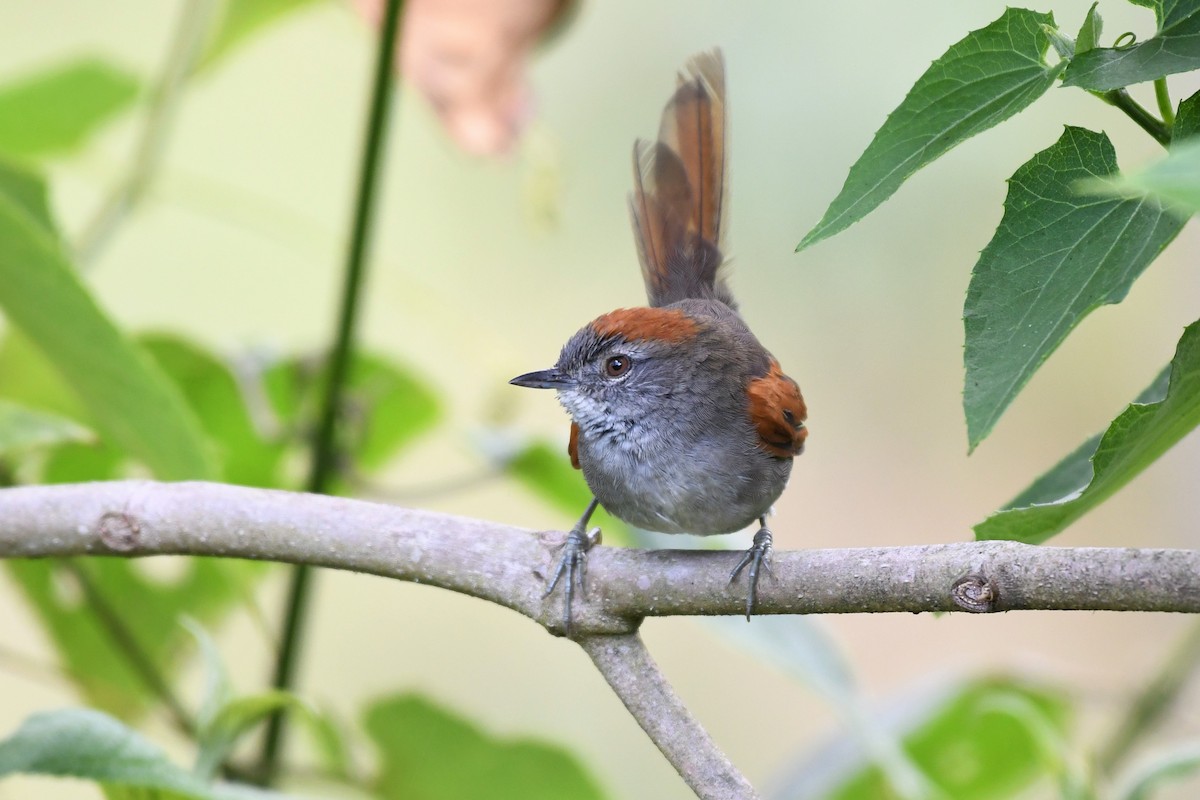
[[1145, 120], [325, 451]]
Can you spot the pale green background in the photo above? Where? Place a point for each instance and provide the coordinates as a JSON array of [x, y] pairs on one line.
[[241, 247]]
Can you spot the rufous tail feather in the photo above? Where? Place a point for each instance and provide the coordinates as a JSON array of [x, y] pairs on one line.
[[678, 202]]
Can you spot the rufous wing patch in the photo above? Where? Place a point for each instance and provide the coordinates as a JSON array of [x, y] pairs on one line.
[[778, 412], [647, 324], [573, 446]]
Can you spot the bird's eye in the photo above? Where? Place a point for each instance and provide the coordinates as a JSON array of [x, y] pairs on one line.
[[616, 366]]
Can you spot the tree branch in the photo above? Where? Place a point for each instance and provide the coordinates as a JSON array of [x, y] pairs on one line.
[[633, 675], [506, 565]]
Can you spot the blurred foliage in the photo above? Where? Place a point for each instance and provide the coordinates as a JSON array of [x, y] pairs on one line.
[[128, 399], [79, 618], [82, 743], [387, 408], [1158, 771], [57, 110], [427, 752], [24, 429], [240, 20], [971, 748], [1175, 180]]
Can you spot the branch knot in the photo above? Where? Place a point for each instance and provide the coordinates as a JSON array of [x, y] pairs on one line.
[[119, 531], [976, 593]]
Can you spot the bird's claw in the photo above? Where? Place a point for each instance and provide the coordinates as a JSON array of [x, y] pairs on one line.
[[757, 557], [572, 564]]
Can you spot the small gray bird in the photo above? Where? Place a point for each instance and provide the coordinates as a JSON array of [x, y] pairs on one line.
[[681, 421]]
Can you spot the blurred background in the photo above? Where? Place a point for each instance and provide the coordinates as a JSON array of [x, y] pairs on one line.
[[483, 267]]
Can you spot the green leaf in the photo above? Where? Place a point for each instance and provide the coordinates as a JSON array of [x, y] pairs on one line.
[[1175, 48], [24, 429], [386, 406], [152, 609], [240, 20], [328, 737], [1180, 761], [1162, 415], [217, 687], [55, 111], [1071, 773], [984, 79], [223, 719], [79, 463], [971, 752], [246, 456], [27, 190], [1187, 119], [28, 377], [1056, 256], [232, 721], [1089, 33], [429, 753], [547, 472], [130, 401], [81, 743], [1174, 180], [149, 608], [1063, 45]]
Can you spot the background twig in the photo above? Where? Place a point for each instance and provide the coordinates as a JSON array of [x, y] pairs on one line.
[[186, 46], [1153, 702]]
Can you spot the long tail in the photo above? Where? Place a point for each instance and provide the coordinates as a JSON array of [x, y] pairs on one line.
[[678, 202]]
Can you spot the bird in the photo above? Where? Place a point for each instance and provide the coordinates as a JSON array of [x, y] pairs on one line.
[[681, 420]]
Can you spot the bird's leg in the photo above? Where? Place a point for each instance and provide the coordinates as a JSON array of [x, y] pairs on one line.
[[758, 556], [573, 562]]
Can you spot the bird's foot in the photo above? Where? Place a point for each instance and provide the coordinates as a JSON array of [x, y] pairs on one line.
[[572, 565], [757, 558]]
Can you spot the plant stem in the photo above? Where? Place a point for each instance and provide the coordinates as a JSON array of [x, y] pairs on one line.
[[186, 46], [1163, 97], [1154, 700], [325, 450], [127, 644], [1145, 120]]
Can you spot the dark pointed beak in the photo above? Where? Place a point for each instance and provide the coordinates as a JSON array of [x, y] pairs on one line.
[[543, 379]]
